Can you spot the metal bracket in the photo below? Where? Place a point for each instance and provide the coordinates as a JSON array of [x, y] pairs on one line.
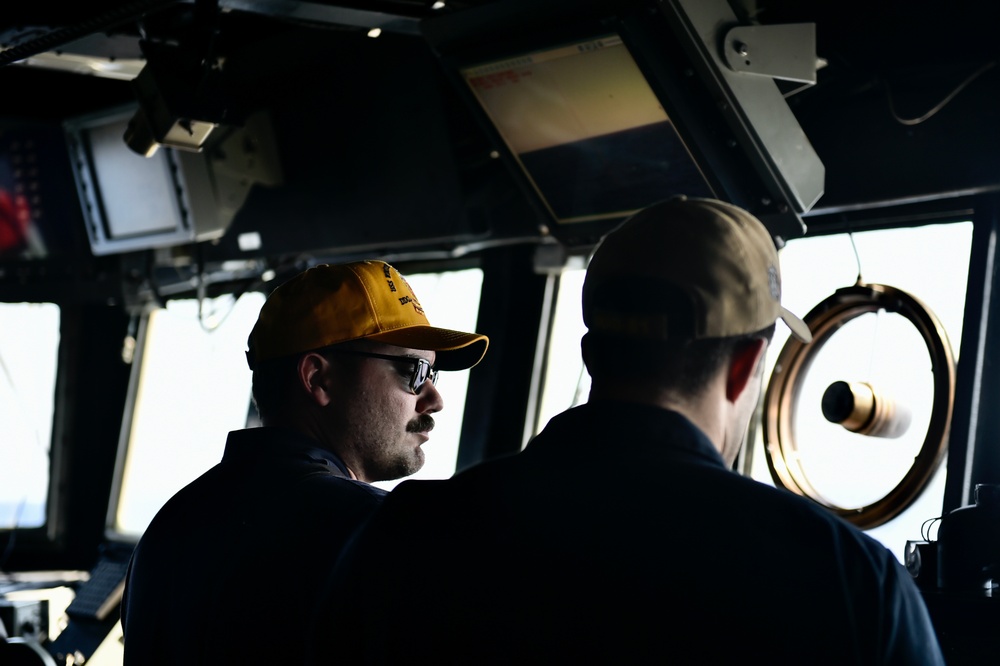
[[785, 52], [756, 110]]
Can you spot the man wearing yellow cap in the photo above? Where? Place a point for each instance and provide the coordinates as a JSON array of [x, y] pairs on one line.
[[621, 534], [344, 363]]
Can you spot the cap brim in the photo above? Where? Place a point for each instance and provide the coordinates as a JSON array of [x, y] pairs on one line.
[[455, 350], [798, 327]]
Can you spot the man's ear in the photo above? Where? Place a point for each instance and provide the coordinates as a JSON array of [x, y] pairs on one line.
[[743, 367], [585, 351], [313, 374]]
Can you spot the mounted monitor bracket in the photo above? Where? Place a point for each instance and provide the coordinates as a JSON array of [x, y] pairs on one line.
[[169, 199], [603, 107], [752, 103], [786, 52], [183, 98]]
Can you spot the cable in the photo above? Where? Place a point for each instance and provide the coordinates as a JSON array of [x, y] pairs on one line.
[[925, 527], [940, 105]]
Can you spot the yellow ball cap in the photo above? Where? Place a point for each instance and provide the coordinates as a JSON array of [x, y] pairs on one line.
[[365, 300]]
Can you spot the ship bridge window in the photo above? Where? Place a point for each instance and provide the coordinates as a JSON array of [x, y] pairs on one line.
[[882, 348], [451, 300], [191, 386], [929, 262], [29, 346]]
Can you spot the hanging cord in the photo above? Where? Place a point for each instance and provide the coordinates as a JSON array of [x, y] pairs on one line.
[[940, 105], [858, 281], [854, 247], [202, 296], [925, 527]]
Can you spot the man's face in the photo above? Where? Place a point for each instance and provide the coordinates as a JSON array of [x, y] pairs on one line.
[[375, 418]]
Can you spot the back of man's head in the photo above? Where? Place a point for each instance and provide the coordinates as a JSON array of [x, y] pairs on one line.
[[677, 282]]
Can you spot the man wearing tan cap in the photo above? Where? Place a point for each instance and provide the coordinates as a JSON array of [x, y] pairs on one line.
[[621, 534], [344, 362]]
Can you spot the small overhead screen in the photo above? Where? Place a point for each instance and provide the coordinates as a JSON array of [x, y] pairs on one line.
[[587, 129], [137, 194], [131, 202]]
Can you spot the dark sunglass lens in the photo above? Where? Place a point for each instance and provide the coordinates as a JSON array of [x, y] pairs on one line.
[[420, 371]]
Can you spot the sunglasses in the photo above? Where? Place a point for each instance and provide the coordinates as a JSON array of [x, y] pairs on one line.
[[422, 370]]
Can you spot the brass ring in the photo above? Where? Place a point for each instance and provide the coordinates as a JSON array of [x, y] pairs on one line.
[[781, 398]]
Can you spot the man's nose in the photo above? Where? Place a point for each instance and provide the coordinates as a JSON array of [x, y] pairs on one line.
[[429, 399]]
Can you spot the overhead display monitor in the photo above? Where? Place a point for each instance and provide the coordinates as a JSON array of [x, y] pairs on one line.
[[131, 202], [587, 129], [136, 193], [602, 108]]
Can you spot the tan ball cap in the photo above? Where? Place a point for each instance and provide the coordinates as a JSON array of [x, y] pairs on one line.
[[719, 257]]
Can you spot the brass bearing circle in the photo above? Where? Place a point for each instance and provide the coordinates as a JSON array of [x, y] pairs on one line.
[[781, 398]]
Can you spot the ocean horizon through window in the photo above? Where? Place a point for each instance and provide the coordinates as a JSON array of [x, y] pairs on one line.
[[29, 351]]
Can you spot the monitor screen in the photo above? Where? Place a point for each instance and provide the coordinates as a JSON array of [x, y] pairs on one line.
[[136, 194], [587, 129], [131, 202]]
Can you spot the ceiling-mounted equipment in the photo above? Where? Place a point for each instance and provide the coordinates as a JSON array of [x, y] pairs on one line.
[[172, 197], [825, 416], [739, 63], [603, 108], [182, 100]]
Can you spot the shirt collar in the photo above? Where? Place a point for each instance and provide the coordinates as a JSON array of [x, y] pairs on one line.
[[615, 426], [275, 441]]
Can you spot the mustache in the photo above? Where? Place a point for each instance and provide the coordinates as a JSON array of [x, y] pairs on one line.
[[423, 423]]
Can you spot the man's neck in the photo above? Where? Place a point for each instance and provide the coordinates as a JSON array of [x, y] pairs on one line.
[[706, 411]]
